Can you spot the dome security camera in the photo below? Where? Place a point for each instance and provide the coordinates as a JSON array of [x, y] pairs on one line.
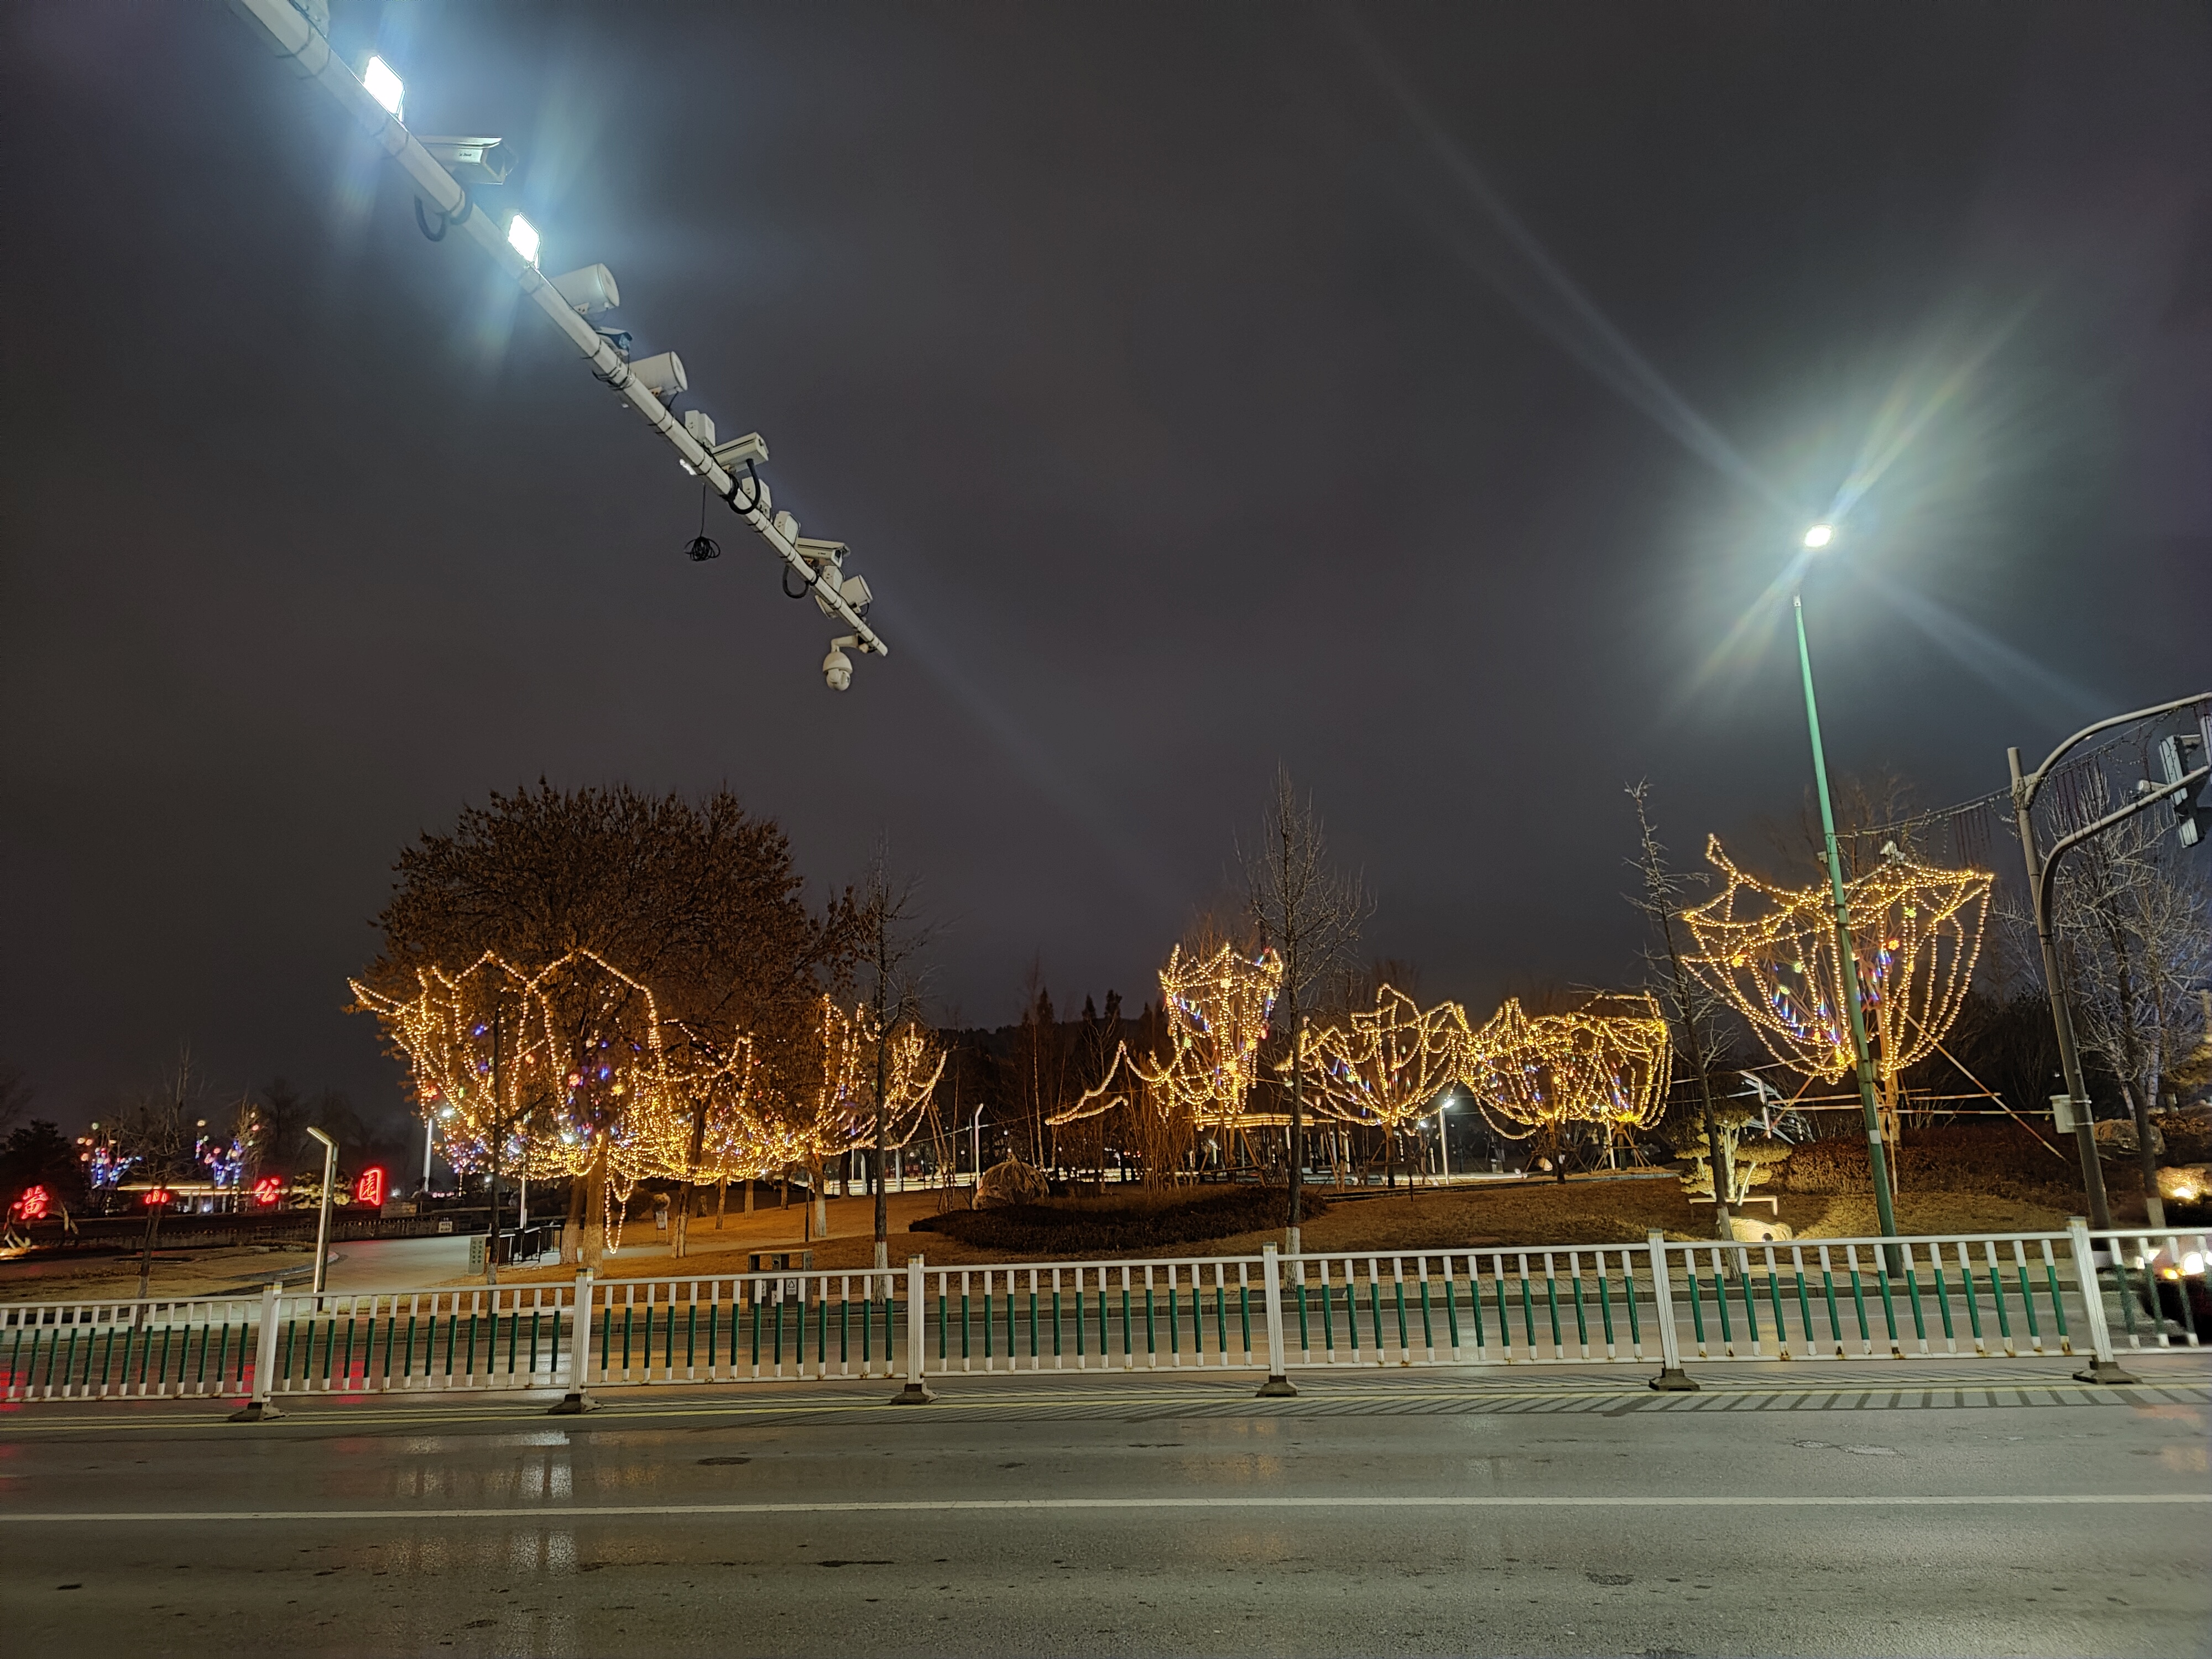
[[837, 670]]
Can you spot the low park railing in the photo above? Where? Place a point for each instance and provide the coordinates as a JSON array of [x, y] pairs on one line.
[[1954, 1297]]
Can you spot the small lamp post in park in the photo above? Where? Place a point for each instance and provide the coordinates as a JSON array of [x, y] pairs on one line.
[[323, 1222]]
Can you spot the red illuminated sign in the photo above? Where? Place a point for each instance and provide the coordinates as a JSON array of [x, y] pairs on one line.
[[34, 1204], [156, 1195], [369, 1189], [268, 1190]]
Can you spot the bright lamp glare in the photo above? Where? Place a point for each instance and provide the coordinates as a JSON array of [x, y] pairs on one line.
[[383, 85], [1819, 535], [522, 237]]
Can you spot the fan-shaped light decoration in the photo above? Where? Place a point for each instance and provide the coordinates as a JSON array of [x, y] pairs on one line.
[[1216, 1012], [1386, 1066], [1606, 1062], [1771, 953]]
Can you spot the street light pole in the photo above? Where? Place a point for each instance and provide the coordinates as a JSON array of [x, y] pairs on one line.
[[323, 1224], [1846, 952]]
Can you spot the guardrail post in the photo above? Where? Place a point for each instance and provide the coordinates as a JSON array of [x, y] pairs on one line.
[[1672, 1378], [1278, 1385], [259, 1408], [2103, 1366], [916, 1392], [579, 1354]]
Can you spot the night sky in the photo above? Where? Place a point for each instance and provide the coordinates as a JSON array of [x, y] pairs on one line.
[[1423, 398]]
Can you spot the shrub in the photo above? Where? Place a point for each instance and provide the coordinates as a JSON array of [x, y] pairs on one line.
[[2003, 1158], [1116, 1223]]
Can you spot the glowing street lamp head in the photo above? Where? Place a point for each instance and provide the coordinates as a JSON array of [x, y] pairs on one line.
[[383, 85], [1819, 535], [522, 237]]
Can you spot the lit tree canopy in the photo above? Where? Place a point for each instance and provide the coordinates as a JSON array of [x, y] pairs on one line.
[[1217, 1009], [1606, 1062], [1387, 1065], [1771, 953]]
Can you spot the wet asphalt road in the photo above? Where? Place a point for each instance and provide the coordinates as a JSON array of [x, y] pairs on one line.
[[1787, 1511]]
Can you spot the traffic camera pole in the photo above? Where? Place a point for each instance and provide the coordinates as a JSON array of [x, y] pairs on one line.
[[308, 53]]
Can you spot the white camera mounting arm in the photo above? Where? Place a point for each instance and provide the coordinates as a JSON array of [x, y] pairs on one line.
[[302, 44]]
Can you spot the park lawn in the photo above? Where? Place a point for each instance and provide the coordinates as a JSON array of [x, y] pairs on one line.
[[1583, 1211]]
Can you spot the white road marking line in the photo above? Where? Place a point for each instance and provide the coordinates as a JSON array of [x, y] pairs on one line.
[[930, 1506]]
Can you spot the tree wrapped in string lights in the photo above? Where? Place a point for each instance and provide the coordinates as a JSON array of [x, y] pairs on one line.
[[1216, 1010], [1385, 1067], [562, 1072], [1606, 1063], [1771, 953]]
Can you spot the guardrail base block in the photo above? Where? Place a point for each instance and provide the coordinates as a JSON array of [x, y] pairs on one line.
[[254, 1411], [1277, 1388], [574, 1403], [2106, 1371], [914, 1394], [1674, 1380]]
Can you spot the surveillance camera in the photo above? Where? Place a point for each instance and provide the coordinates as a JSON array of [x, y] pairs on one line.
[[837, 670], [662, 375], [590, 290]]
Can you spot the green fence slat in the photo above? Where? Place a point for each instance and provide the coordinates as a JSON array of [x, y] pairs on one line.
[[1451, 1308], [1605, 1304], [1582, 1322]]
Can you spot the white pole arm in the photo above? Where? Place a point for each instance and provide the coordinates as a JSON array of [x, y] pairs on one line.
[[309, 55]]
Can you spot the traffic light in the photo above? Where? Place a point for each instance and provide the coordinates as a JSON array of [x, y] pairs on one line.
[[2178, 757]]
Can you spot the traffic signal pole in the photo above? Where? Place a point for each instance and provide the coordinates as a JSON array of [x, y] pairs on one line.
[[2041, 871]]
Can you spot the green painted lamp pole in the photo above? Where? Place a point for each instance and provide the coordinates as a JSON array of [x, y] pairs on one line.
[[1846, 954]]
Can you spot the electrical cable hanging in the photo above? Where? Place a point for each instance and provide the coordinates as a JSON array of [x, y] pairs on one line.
[[703, 546]]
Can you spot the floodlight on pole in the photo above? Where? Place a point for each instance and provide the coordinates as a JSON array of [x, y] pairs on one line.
[[296, 32], [384, 86]]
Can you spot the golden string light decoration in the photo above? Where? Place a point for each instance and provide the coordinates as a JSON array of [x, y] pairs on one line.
[[566, 1068], [912, 1067], [1607, 1062], [1385, 1067], [1771, 953], [1217, 1009]]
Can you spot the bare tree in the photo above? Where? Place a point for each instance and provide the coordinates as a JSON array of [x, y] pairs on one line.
[[891, 935], [156, 1133], [1690, 1007], [14, 1095], [2135, 934], [1310, 915]]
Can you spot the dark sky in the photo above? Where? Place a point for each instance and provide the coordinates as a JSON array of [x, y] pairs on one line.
[[1423, 398]]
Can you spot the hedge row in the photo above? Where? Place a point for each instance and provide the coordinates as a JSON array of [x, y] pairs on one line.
[[1954, 1158], [1117, 1225]]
